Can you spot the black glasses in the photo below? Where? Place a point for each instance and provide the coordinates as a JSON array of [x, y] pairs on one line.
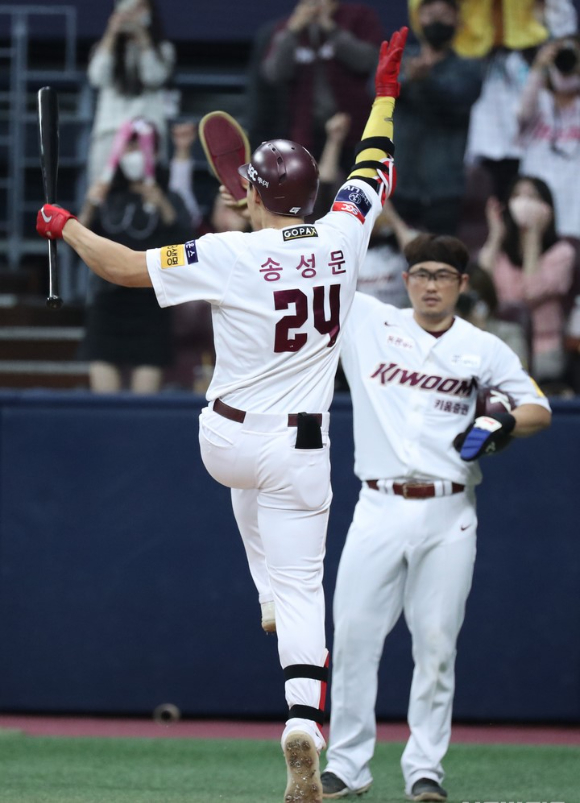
[[440, 277]]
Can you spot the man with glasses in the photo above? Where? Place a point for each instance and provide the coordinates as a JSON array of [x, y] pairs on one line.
[[414, 376]]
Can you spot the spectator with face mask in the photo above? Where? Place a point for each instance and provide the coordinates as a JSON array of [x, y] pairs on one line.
[[513, 24], [507, 37], [550, 127], [126, 330], [530, 265], [129, 68], [438, 88]]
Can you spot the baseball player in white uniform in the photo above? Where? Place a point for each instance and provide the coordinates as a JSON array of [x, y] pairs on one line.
[[414, 376], [280, 297]]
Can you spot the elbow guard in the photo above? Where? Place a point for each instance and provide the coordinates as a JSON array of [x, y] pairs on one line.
[[380, 172]]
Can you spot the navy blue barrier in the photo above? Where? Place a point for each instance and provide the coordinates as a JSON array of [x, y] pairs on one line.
[[123, 581]]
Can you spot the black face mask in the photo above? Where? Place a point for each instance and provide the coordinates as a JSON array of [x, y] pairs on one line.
[[438, 34], [566, 60]]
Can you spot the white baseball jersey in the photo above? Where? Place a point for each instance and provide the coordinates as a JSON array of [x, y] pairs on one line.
[[279, 297], [413, 392]]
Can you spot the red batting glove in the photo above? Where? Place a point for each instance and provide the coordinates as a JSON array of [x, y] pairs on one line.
[[50, 221], [386, 78]]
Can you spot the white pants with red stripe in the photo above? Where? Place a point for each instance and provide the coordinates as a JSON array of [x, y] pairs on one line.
[[411, 555], [281, 498]]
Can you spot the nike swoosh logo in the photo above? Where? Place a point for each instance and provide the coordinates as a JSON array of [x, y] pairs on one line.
[[391, 324], [46, 219], [465, 528]]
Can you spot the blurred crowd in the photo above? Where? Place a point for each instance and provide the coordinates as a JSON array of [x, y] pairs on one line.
[[487, 136]]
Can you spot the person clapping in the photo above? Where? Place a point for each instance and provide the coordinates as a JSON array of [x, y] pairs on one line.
[[129, 68], [531, 266]]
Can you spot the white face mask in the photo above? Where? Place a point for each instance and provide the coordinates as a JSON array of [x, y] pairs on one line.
[[529, 212], [133, 165], [568, 84]]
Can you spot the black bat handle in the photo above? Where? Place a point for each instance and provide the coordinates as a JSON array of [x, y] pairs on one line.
[[53, 301], [48, 130]]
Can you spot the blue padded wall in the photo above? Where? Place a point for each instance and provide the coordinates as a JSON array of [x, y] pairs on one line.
[[123, 581]]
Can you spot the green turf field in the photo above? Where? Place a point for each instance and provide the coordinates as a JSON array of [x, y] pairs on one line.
[[64, 770]]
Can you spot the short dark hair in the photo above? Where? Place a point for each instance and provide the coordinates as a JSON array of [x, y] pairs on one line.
[[453, 3], [437, 248]]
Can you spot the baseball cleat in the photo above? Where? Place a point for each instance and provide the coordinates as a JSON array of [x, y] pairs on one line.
[[333, 787], [302, 763], [268, 617], [427, 789]]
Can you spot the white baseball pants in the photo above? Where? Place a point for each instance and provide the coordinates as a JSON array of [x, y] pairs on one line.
[[411, 555], [281, 498]]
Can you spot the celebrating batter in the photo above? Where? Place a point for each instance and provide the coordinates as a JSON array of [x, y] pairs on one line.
[[414, 376], [280, 297]]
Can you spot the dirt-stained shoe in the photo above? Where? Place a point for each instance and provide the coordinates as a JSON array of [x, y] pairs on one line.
[[303, 766], [333, 787], [427, 789]]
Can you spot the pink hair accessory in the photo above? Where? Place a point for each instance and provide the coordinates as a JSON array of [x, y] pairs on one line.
[[145, 132]]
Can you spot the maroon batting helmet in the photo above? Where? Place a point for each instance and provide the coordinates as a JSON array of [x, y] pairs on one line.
[[285, 175]]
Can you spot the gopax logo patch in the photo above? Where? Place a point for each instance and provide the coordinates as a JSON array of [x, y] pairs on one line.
[[299, 233]]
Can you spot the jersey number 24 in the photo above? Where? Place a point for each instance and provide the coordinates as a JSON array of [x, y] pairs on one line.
[[284, 340]]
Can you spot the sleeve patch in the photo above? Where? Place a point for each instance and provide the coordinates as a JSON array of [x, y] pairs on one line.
[[191, 252], [172, 256], [352, 200], [537, 389]]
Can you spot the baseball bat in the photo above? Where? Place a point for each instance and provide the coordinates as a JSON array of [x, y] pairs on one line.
[[48, 141]]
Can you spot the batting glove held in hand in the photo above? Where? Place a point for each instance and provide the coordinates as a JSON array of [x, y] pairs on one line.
[[50, 221], [487, 435], [386, 78]]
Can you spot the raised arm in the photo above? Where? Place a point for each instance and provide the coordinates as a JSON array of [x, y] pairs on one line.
[[374, 154], [109, 260], [495, 235], [279, 63], [100, 68], [403, 232], [529, 100]]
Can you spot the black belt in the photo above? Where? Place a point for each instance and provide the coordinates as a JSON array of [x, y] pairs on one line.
[[415, 490], [233, 414]]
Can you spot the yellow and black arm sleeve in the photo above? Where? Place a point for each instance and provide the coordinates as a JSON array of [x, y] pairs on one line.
[[376, 150]]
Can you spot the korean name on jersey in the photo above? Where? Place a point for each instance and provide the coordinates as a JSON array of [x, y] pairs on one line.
[[279, 297]]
